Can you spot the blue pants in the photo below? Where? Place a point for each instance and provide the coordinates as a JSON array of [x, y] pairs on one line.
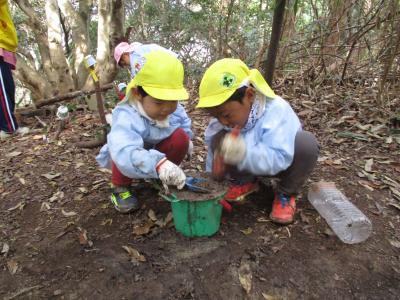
[[8, 123]]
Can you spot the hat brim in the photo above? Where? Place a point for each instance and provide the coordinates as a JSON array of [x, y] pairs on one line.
[[179, 94], [214, 100]]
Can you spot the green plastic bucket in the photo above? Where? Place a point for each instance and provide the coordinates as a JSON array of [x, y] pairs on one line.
[[196, 218]]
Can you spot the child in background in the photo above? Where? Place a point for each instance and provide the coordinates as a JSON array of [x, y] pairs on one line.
[[150, 133], [128, 55], [271, 141], [121, 89]]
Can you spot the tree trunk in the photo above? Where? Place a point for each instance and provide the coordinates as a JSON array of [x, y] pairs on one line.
[[80, 35], [109, 31], [288, 32], [277, 22]]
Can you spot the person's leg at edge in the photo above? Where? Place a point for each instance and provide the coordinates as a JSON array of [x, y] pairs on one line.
[[306, 152], [8, 122]]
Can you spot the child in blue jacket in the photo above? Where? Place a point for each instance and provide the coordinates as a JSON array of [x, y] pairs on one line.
[[151, 132], [271, 141]]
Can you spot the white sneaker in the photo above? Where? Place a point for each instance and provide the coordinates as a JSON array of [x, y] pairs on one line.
[[23, 130], [4, 135]]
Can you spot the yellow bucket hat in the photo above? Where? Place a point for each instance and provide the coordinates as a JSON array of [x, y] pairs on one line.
[[224, 77], [160, 74]]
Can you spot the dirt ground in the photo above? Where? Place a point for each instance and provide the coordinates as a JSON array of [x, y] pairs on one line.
[[60, 237]]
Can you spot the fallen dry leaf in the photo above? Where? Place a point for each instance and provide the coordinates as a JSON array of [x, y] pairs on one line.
[[57, 195], [12, 266], [79, 164], [51, 175], [13, 154], [106, 222], [20, 205], [151, 214], [5, 249], [83, 190], [166, 221], [68, 214], [143, 229], [368, 164], [245, 276], [83, 239], [263, 220], [394, 243], [395, 205], [247, 231], [38, 137], [133, 253], [270, 297], [45, 206], [366, 185]]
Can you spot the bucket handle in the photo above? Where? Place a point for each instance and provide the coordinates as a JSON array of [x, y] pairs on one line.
[[172, 199]]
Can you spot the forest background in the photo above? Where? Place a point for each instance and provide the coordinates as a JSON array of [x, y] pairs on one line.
[[339, 42]]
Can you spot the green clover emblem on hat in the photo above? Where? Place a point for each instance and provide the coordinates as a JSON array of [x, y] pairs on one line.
[[228, 80]]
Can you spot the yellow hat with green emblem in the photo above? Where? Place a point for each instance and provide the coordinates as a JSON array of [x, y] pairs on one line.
[[224, 77], [160, 74]]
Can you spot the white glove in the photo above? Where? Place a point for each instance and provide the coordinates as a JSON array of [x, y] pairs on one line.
[[170, 174], [233, 149], [190, 150]]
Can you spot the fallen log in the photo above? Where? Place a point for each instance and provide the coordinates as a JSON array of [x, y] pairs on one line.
[[72, 95]]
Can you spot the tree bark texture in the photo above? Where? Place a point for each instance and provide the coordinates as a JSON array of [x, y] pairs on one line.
[[277, 22], [57, 56]]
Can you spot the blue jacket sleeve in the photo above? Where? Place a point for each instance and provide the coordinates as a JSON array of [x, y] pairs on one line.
[[125, 145], [270, 144], [182, 120]]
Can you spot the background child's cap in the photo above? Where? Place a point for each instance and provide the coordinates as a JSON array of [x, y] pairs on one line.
[[122, 48], [160, 74], [224, 77], [121, 86]]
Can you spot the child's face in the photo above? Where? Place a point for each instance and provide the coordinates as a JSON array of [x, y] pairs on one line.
[[156, 109], [124, 60], [234, 113]]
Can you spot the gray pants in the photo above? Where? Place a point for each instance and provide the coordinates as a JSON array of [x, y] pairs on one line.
[[291, 180]]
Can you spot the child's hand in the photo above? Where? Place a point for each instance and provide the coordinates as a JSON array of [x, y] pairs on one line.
[[170, 174], [233, 149]]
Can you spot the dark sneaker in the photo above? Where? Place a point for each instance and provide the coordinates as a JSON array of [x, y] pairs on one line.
[[123, 199]]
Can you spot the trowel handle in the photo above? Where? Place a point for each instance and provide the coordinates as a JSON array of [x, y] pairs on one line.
[[218, 167]]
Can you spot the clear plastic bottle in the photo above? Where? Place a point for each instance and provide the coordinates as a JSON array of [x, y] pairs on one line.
[[62, 112], [345, 219]]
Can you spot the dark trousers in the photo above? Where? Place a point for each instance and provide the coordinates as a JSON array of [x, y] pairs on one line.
[[291, 180], [8, 123]]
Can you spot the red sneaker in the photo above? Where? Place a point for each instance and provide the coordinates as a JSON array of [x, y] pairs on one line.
[[283, 209], [237, 192]]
